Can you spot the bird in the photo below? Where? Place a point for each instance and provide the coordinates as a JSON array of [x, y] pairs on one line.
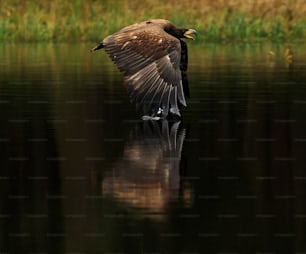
[[153, 59]]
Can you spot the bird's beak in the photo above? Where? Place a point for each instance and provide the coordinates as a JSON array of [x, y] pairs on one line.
[[190, 34], [98, 46]]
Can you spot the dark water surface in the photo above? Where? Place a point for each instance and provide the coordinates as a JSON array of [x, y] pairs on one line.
[[80, 173]]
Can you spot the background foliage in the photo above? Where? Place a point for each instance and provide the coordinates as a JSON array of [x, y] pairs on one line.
[[91, 20]]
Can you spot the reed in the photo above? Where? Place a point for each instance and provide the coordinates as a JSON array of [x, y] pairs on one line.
[[91, 20]]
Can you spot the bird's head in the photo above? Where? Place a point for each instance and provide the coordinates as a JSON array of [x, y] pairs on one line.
[[180, 32]]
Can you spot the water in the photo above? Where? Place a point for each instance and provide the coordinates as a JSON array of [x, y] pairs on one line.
[[81, 173]]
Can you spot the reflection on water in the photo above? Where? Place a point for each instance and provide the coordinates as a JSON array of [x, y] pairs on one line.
[[148, 173], [80, 173]]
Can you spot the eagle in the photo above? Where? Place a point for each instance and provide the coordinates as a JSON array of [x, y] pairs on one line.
[[153, 59]]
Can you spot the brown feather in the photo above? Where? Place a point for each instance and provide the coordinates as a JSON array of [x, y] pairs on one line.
[[153, 62]]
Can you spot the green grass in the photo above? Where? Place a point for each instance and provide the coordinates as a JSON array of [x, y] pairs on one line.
[[91, 20]]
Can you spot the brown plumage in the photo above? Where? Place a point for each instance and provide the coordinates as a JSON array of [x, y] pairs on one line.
[[153, 60]]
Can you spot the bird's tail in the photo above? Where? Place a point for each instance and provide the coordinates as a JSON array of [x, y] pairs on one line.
[[97, 47]]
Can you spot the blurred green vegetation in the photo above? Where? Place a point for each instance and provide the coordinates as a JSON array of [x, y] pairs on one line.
[[91, 20]]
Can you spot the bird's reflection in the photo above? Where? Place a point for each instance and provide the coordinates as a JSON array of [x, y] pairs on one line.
[[148, 174]]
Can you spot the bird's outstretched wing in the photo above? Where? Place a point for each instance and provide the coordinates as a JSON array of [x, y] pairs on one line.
[[150, 60]]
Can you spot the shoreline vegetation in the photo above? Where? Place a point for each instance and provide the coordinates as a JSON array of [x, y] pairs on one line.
[[92, 20]]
